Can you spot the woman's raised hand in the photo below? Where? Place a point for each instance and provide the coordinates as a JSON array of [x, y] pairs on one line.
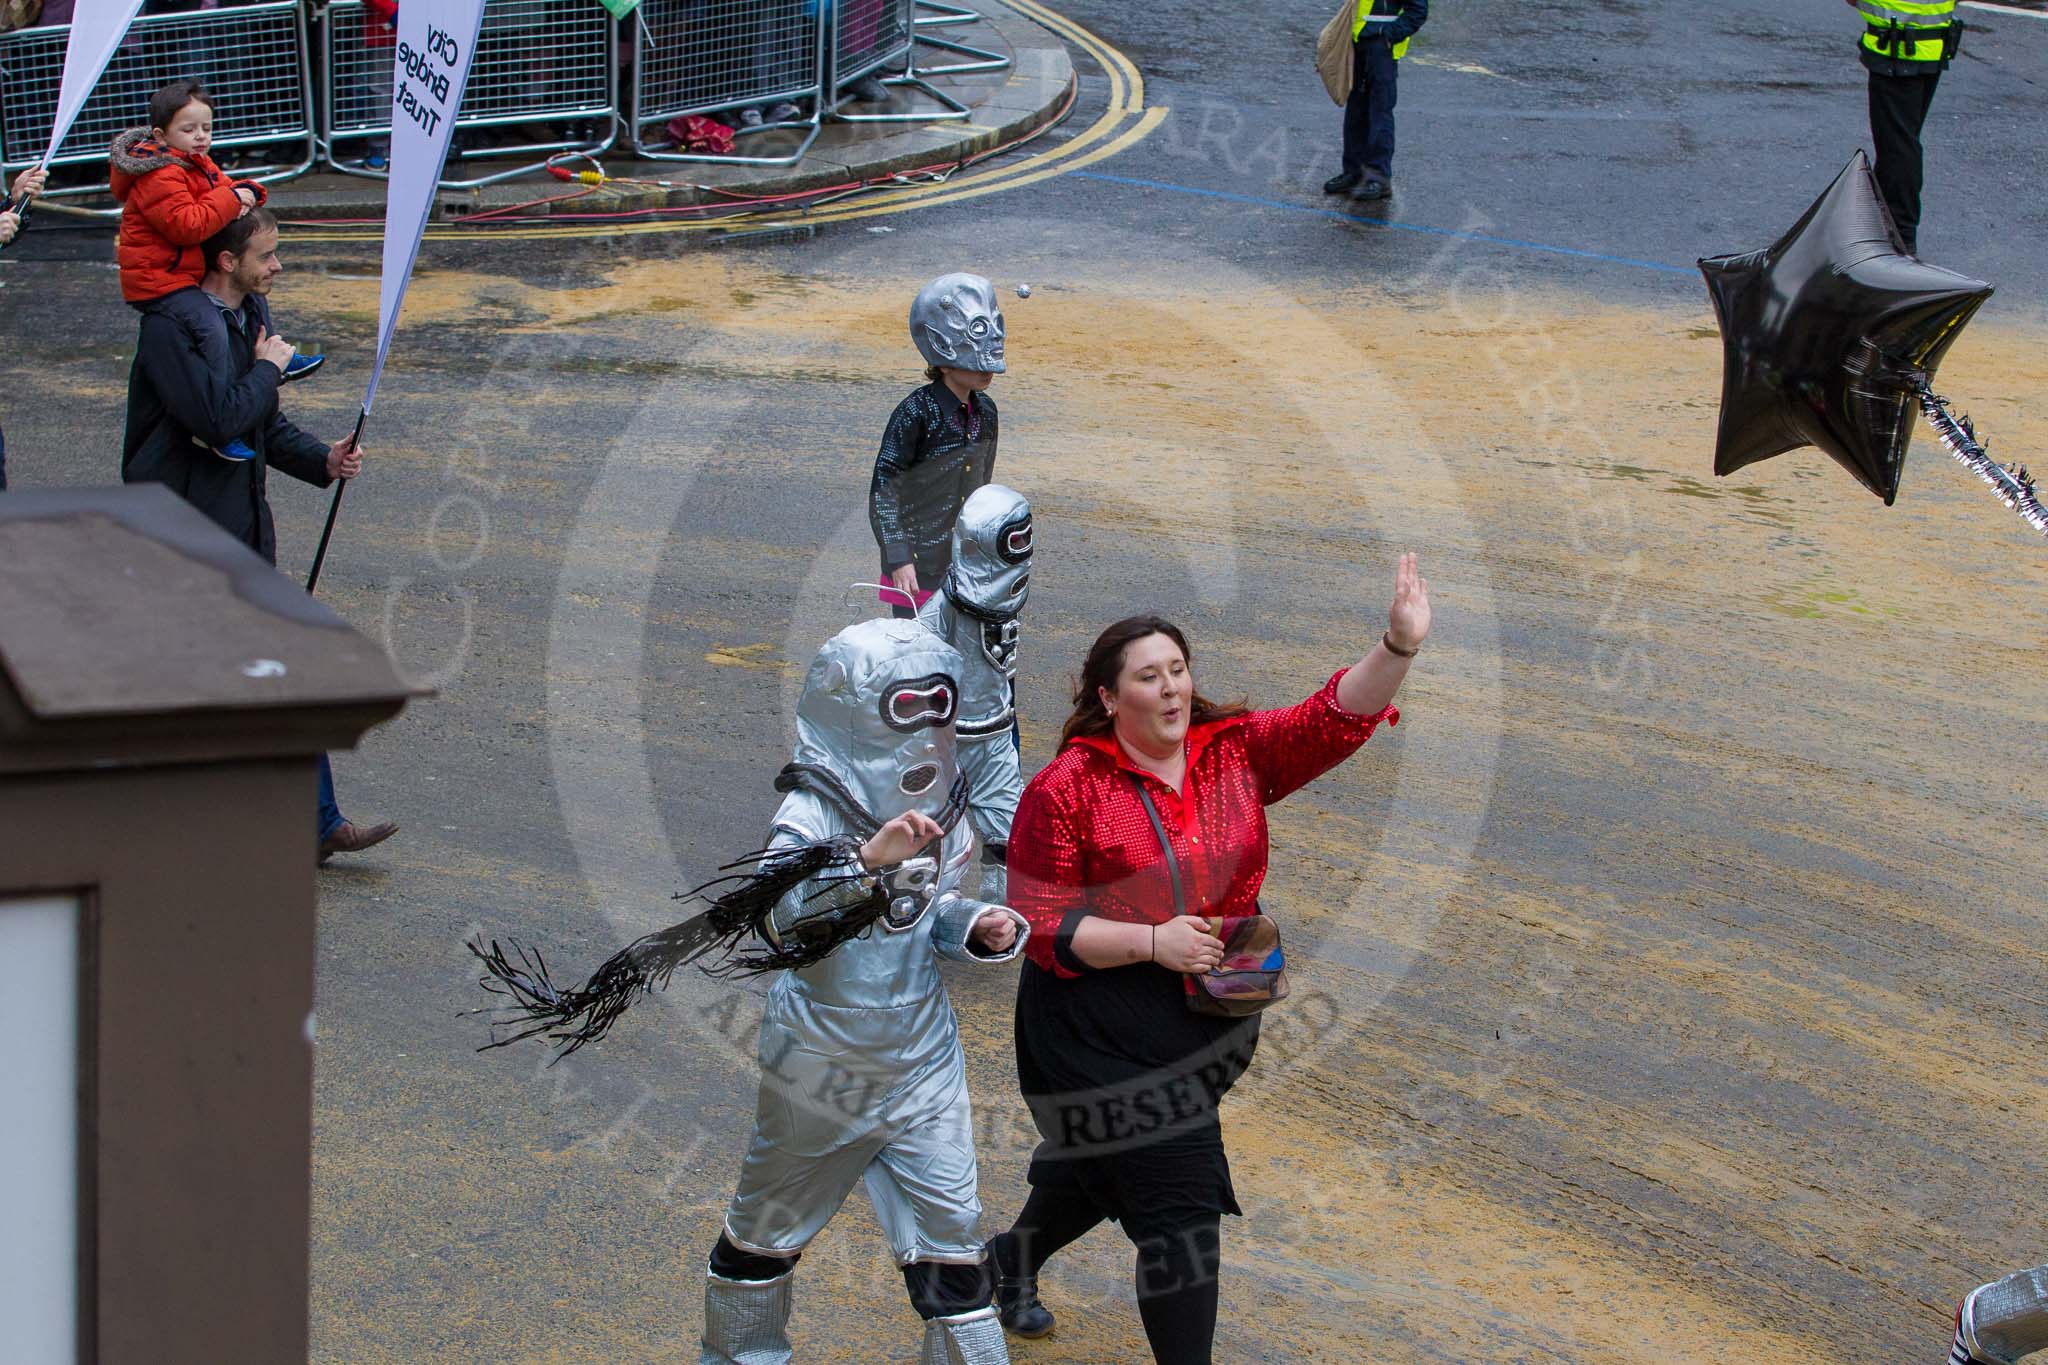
[[1408, 618], [900, 839], [1184, 944]]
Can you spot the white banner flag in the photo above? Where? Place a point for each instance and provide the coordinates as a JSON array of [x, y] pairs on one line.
[[97, 27], [436, 39]]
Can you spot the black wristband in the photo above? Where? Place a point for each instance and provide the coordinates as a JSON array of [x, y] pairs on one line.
[[1387, 639]]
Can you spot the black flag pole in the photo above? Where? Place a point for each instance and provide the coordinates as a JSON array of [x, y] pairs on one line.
[[334, 508]]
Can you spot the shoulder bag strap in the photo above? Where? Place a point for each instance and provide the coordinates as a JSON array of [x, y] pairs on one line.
[[1180, 904]]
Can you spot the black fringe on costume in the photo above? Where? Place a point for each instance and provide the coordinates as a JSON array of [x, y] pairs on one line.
[[735, 917], [823, 782]]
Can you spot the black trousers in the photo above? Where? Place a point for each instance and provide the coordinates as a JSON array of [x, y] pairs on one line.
[[1179, 1264], [1369, 111], [1898, 107]]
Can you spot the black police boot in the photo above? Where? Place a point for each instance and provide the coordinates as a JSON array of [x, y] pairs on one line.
[[1343, 182], [1017, 1305], [1374, 188]]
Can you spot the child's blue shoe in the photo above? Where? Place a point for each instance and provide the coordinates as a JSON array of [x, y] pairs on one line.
[[237, 451], [299, 366]]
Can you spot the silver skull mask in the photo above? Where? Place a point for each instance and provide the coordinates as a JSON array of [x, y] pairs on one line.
[[956, 322], [877, 712], [991, 572]]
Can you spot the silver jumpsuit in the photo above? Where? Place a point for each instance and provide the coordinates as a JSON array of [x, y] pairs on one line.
[[975, 611], [862, 1078]]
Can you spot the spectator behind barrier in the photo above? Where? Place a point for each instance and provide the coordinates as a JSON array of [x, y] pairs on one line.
[[380, 35], [859, 24], [49, 14]]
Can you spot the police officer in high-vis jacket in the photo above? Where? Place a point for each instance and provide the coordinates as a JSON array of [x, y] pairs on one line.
[[1906, 43], [1380, 32]]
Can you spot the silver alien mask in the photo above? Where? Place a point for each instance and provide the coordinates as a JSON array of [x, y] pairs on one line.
[[877, 712], [956, 322], [991, 573]]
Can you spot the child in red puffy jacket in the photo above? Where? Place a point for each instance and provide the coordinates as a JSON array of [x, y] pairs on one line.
[[173, 197]]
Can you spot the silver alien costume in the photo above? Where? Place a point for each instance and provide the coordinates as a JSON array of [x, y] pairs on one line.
[[862, 1078], [2004, 1321], [975, 611]]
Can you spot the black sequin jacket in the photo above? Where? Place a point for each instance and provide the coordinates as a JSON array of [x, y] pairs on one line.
[[935, 451]]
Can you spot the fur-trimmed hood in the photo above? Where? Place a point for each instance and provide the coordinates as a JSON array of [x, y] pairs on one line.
[[137, 153]]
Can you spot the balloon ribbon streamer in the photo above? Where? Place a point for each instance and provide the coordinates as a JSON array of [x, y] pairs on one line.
[[2013, 485]]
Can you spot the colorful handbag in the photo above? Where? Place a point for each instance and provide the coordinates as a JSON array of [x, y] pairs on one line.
[[1253, 972]]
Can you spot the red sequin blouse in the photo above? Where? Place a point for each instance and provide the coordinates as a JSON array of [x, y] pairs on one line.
[[1081, 845]]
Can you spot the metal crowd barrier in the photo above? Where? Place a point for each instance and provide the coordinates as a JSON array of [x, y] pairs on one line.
[[550, 69], [869, 36], [719, 56], [546, 64], [938, 15], [251, 59]]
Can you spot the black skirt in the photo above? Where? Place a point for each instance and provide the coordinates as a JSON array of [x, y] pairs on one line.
[[1123, 1081]]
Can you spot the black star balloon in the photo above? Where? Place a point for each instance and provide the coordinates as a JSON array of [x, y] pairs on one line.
[[1828, 334]]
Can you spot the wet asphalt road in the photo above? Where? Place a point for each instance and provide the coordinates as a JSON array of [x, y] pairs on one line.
[[1677, 989]]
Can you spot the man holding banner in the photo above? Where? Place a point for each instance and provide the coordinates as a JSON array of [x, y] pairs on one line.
[[185, 399]]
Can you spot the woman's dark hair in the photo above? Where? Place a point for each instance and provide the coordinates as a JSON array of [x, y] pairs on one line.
[[1105, 662], [234, 238], [165, 103], [934, 373]]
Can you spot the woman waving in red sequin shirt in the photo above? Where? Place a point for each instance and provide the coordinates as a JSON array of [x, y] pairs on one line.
[[1122, 1078]]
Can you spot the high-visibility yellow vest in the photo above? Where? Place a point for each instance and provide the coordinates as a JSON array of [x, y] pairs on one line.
[[1908, 30], [1365, 8]]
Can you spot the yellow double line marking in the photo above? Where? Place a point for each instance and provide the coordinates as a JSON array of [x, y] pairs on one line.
[[1097, 142]]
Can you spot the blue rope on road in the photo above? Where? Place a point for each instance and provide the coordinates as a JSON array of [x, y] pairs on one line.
[[1386, 222]]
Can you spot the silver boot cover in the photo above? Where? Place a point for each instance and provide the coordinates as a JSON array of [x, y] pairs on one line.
[[965, 1339], [746, 1322], [2007, 1320]]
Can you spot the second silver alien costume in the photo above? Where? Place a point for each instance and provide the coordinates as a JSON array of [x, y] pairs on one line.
[[975, 611], [862, 1077]]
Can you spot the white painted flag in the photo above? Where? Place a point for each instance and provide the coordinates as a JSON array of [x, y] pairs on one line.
[[436, 39], [97, 27]]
